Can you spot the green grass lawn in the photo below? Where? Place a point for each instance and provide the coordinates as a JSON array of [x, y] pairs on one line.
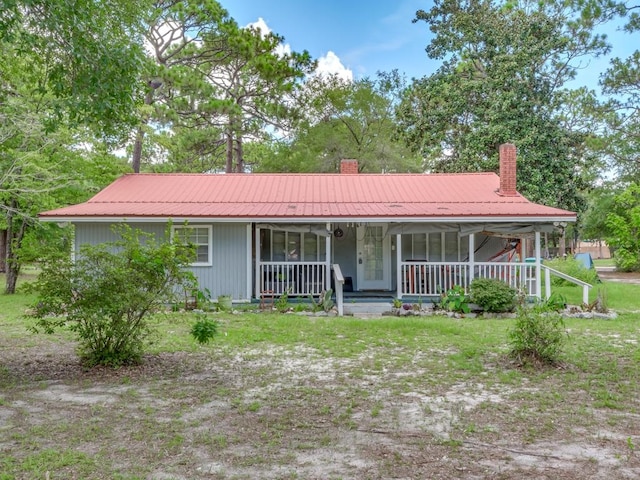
[[621, 297], [604, 262], [291, 397]]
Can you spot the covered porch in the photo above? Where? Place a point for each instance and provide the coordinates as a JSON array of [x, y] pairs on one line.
[[398, 259]]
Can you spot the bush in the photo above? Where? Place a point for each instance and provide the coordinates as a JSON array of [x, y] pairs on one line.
[[573, 268], [455, 300], [626, 261], [493, 295], [204, 329], [108, 293], [538, 335]]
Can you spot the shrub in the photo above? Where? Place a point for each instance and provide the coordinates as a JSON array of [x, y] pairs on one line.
[[573, 268], [493, 295], [455, 300], [107, 295], [282, 303], [538, 335], [204, 329]]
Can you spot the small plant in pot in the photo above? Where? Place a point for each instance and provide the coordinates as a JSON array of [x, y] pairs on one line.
[[225, 302]]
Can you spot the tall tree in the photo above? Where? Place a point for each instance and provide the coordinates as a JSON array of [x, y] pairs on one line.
[[256, 80], [87, 55], [504, 68], [213, 84], [623, 225], [621, 84], [42, 166], [347, 119], [175, 40]]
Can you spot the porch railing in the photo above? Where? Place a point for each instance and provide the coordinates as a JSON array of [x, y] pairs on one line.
[[338, 279], [434, 278], [548, 271], [293, 278]]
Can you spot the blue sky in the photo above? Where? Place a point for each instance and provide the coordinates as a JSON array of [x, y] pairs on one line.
[[366, 36], [363, 37]]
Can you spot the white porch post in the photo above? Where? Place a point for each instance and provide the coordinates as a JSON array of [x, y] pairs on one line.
[[258, 265], [472, 257], [398, 265], [538, 269], [523, 256], [327, 280], [249, 263]]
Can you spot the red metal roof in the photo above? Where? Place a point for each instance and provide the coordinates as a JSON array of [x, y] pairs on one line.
[[330, 196]]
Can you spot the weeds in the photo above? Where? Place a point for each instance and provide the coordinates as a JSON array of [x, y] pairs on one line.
[[204, 329], [538, 336]]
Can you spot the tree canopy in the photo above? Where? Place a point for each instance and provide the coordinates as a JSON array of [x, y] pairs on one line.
[[186, 88], [346, 119], [503, 76]]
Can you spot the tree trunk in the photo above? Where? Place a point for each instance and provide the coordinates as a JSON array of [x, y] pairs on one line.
[[137, 150], [546, 245], [3, 251], [13, 242], [239, 156], [229, 165], [13, 270], [136, 157], [561, 245]]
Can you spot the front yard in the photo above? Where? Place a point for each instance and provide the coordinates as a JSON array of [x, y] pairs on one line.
[[290, 397]]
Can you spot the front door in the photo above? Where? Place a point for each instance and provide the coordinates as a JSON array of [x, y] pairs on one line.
[[373, 258]]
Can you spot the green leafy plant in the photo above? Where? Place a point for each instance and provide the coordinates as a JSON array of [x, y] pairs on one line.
[[204, 298], [555, 302], [282, 303], [397, 303], [493, 295], [538, 336], [455, 300], [204, 329], [325, 302], [108, 294], [573, 268]]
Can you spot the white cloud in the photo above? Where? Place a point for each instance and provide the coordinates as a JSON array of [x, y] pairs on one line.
[[330, 64]]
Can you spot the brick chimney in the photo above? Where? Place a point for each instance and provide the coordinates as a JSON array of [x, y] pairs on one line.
[[348, 166], [507, 170]]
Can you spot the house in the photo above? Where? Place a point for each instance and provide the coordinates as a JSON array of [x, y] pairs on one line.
[[408, 235]]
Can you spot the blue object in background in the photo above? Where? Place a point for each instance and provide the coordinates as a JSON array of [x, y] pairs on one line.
[[585, 258]]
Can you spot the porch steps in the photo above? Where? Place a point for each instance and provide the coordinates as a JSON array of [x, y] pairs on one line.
[[366, 308]]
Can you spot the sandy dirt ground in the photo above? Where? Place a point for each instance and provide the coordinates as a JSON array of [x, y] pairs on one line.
[[278, 413]]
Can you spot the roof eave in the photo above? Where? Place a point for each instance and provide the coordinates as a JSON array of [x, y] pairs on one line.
[[431, 219]]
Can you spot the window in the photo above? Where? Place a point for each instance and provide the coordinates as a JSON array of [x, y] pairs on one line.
[[283, 246], [200, 239], [435, 247]]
